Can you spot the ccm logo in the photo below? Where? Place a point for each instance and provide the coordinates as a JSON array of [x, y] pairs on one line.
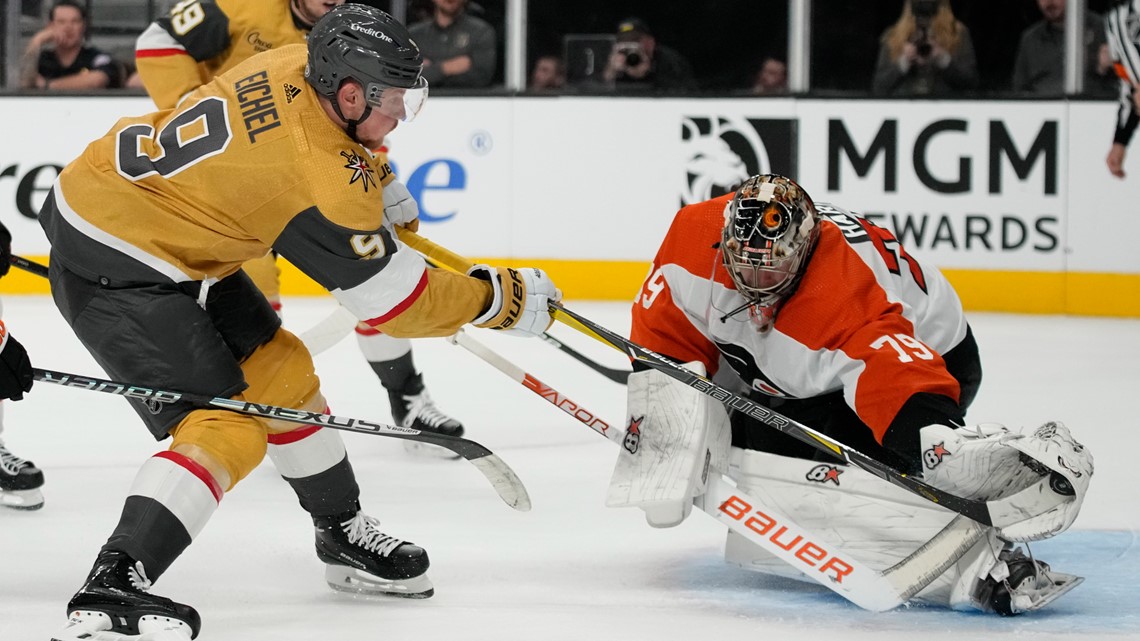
[[808, 553]]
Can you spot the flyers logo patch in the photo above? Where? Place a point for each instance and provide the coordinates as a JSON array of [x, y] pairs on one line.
[[633, 435], [933, 457], [824, 474], [361, 171]]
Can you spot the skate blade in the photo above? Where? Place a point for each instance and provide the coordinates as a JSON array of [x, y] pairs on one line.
[[1062, 584], [22, 499], [427, 450], [90, 625], [345, 579]]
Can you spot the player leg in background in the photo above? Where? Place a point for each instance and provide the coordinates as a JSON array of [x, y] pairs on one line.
[[20, 479], [315, 464], [412, 406], [390, 358], [161, 334]]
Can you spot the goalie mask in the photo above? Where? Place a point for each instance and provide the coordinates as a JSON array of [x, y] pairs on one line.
[[770, 229]]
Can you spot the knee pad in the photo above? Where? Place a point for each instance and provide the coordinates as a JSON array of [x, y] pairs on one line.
[[236, 442], [281, 373]]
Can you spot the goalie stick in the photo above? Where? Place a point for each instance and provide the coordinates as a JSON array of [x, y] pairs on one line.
[[506, 483], [766, 527], [998, 513]]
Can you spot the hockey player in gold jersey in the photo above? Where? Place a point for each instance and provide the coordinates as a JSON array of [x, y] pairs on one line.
[[149, 229], [200, 39]]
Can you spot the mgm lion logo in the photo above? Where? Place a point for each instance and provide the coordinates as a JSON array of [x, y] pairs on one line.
[[721, 151]]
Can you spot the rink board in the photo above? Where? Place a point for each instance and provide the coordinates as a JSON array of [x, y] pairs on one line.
[[1010, 199]]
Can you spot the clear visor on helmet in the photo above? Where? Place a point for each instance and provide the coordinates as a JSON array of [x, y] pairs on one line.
[[398, 102]]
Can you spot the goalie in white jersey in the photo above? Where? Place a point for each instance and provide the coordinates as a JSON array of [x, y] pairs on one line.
[[823, 317]]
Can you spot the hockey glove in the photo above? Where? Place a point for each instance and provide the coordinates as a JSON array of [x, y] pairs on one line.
[[399, 206], [5, 250], [15, 368], [521, 303]]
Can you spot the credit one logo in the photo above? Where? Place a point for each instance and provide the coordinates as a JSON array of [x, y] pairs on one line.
[[430, 183], [32, 185]]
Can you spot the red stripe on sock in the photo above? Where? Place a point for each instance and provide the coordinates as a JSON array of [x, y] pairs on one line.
[[293, 436], [404, 304], [195, 468]]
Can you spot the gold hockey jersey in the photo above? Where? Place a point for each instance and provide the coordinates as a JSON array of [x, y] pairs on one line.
[[248, 162], [200, 39]]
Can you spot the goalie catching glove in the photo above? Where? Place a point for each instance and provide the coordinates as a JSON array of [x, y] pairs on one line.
[[521, 299], [1039, 477]]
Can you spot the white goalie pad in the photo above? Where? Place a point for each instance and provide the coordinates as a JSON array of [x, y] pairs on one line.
[[876, 524], [1038, 478], [674, 436]]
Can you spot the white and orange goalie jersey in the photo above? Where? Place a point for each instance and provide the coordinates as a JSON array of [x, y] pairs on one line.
[[867, 321]]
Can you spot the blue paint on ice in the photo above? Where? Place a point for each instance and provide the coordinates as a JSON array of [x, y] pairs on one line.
[[1107, 602]]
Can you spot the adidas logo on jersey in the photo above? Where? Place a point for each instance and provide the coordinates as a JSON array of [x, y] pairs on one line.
[[291, 92]]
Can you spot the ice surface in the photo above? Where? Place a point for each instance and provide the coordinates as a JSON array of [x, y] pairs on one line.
[[570, 569]]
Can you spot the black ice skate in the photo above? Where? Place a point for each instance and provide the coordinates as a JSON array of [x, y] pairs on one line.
[[115, 604], [1030, 585], [360, 558], [412, 407], [20, 482]]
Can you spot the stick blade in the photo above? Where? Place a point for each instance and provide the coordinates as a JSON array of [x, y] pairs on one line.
[[506, 483]]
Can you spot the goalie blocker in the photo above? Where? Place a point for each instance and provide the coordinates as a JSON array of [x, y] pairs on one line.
[[677, 437]]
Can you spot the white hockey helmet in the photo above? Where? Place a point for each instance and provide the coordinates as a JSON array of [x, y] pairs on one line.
[[771, 227]]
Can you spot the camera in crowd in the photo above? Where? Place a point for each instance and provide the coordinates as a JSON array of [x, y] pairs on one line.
[[924, 12], [631, 53]]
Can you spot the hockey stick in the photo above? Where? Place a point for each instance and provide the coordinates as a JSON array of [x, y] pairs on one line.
[[328, 331], [998, 513], [506, 483], [769, 529], [459, 264], [616, 375], [28, 265]]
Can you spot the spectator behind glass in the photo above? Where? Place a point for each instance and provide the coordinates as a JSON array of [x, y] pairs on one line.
[[548, 74], [458, 48], [1040, 64], [928, 52], [68, 63], [639, 63], [771, 78]]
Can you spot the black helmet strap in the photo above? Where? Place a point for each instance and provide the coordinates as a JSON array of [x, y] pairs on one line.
[[351, 130]]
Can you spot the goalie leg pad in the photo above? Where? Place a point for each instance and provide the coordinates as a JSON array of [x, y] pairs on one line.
[[876, 523], [674, 437]]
